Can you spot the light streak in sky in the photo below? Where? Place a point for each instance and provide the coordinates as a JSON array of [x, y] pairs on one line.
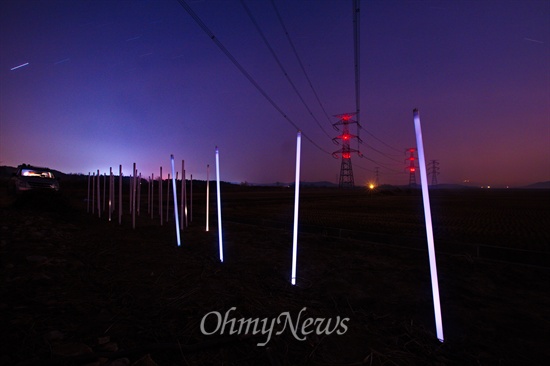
[[61, 61], [533, 40], [16, 67]]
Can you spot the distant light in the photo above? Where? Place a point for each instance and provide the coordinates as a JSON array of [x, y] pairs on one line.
[[16, 67], [488, 186], [371, 186], [412, 170]]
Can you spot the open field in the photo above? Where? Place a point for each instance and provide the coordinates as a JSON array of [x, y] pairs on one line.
[[80, 290]]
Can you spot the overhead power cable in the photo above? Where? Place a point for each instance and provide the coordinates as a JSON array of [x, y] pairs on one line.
[[356, 49], [300, 61], [268, 45], [391, 147], [211, 35], [384, 154]]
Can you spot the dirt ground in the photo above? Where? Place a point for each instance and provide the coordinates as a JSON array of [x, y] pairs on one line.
[[80, 290]]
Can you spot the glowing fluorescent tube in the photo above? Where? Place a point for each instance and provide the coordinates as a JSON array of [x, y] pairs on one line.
[[176, 218], [296, 202], [133, 203], [429, 230], [219, 203]]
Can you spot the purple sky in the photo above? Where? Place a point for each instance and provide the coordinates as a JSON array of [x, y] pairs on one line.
[[117, 82]]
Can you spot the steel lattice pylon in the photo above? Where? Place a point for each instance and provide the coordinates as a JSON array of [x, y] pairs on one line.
[[346, 170], [412, 167]]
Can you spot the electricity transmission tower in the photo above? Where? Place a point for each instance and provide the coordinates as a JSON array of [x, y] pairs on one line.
[[377, 176], [412, 166], [346, 171], [434, 171]]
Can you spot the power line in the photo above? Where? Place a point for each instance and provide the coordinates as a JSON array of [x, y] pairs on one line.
[[211, 35], [281, 65], [299, 60], [377, 139], [383, 154], [356, 50]]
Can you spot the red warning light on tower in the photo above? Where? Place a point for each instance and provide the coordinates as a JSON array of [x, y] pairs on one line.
[[412, 166], [346, 172]]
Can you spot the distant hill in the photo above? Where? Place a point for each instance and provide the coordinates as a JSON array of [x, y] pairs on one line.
[[451, 186], [539, 185], [303, 184]]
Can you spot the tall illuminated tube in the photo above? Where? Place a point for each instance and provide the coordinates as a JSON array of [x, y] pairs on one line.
[[219, 203], [176, 219], [429, 230], [296, 202]]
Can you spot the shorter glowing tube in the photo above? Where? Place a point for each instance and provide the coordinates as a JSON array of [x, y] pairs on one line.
[[168, 197], [120, 194], [176, 218], [98, 195], [429, 230], [296, 202], [160, 196], [110, 192], [93, 193], [207, 197], [138, 192], [219, 204], [133, 204], [152, 195], [104, 189], [88, 201], [182, 192]]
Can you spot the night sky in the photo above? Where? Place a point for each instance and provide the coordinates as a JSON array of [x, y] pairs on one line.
[[118, 82]]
